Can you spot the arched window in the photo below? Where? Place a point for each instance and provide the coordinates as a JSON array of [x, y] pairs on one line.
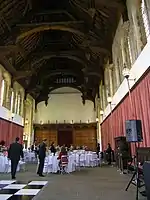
[[145, 17], [2, 92], [18, 103], [12, 101], [130, 49]]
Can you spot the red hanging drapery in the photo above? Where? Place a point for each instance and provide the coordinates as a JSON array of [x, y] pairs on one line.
[[114, 125], [9, 131]]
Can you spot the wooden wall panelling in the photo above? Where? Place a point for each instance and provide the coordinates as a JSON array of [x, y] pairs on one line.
[[83, 134], [85, 137], [74, 136], [50, 135], [53, 137]]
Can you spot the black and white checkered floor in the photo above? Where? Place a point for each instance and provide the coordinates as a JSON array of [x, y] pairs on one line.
[[16, 190]]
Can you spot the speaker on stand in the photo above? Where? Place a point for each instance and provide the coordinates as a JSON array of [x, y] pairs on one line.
[[134, 135], [134, 131]]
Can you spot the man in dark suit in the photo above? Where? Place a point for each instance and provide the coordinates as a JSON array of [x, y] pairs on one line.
[[14, 153], [42, 155]]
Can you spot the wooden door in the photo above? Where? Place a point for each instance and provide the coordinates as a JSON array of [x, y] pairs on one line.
[[65, 137]]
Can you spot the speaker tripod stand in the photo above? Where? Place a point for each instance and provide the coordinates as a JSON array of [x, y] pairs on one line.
[[135, 176]]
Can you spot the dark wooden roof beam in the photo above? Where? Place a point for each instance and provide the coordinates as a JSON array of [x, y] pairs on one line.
[[75, 86], [32, 28], [99, 4], [71, 52], [7, 25], [50, 12], [8, 49], [28, 7], [21, 75], [7, 65], [48, 55], [50, 23], [62, 73]]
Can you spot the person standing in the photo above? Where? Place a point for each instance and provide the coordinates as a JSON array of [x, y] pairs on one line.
[[14, 153], [52, 148], [109, 152], [42, 155], [98, 149]]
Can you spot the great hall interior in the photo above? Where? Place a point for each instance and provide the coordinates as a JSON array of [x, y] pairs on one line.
[[75, 72]]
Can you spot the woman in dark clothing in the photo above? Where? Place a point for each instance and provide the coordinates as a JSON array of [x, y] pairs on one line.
[[52, 148], [109, 151]]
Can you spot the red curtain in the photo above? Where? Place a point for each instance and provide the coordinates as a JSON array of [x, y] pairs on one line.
[[114, 125], [9, 131]]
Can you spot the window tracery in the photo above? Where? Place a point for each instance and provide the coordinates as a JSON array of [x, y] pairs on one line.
[[18, 103], [130, 49], [2, 92], [12, 101], [145, 17]]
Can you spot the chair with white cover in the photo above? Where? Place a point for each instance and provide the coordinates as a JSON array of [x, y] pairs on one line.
[[22, 165], [77, 161], [100, 159], [82, 160], [50, 163], [45, 170], [94, 160], [64, 164]]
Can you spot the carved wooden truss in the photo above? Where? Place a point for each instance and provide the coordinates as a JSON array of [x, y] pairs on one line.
[[41, 41]]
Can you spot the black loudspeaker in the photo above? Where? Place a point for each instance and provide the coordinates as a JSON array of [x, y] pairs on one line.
[[134, 131]]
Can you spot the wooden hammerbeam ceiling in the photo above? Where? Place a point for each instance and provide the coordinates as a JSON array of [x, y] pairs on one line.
[[40, 27], [72, 55]]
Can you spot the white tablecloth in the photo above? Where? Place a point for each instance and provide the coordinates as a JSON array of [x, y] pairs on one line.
[[5, 165], [29, 156], [76, 159]]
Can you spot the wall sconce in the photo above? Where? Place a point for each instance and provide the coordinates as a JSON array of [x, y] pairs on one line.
[[88, 121], [26, 122], [101, 112], [109, 100], [102, 115], [72, 122], [126, 72], [80, 121], [64, 121], [41, 122], [97, 120], [12, 115], [56, 122], [48, 122]]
